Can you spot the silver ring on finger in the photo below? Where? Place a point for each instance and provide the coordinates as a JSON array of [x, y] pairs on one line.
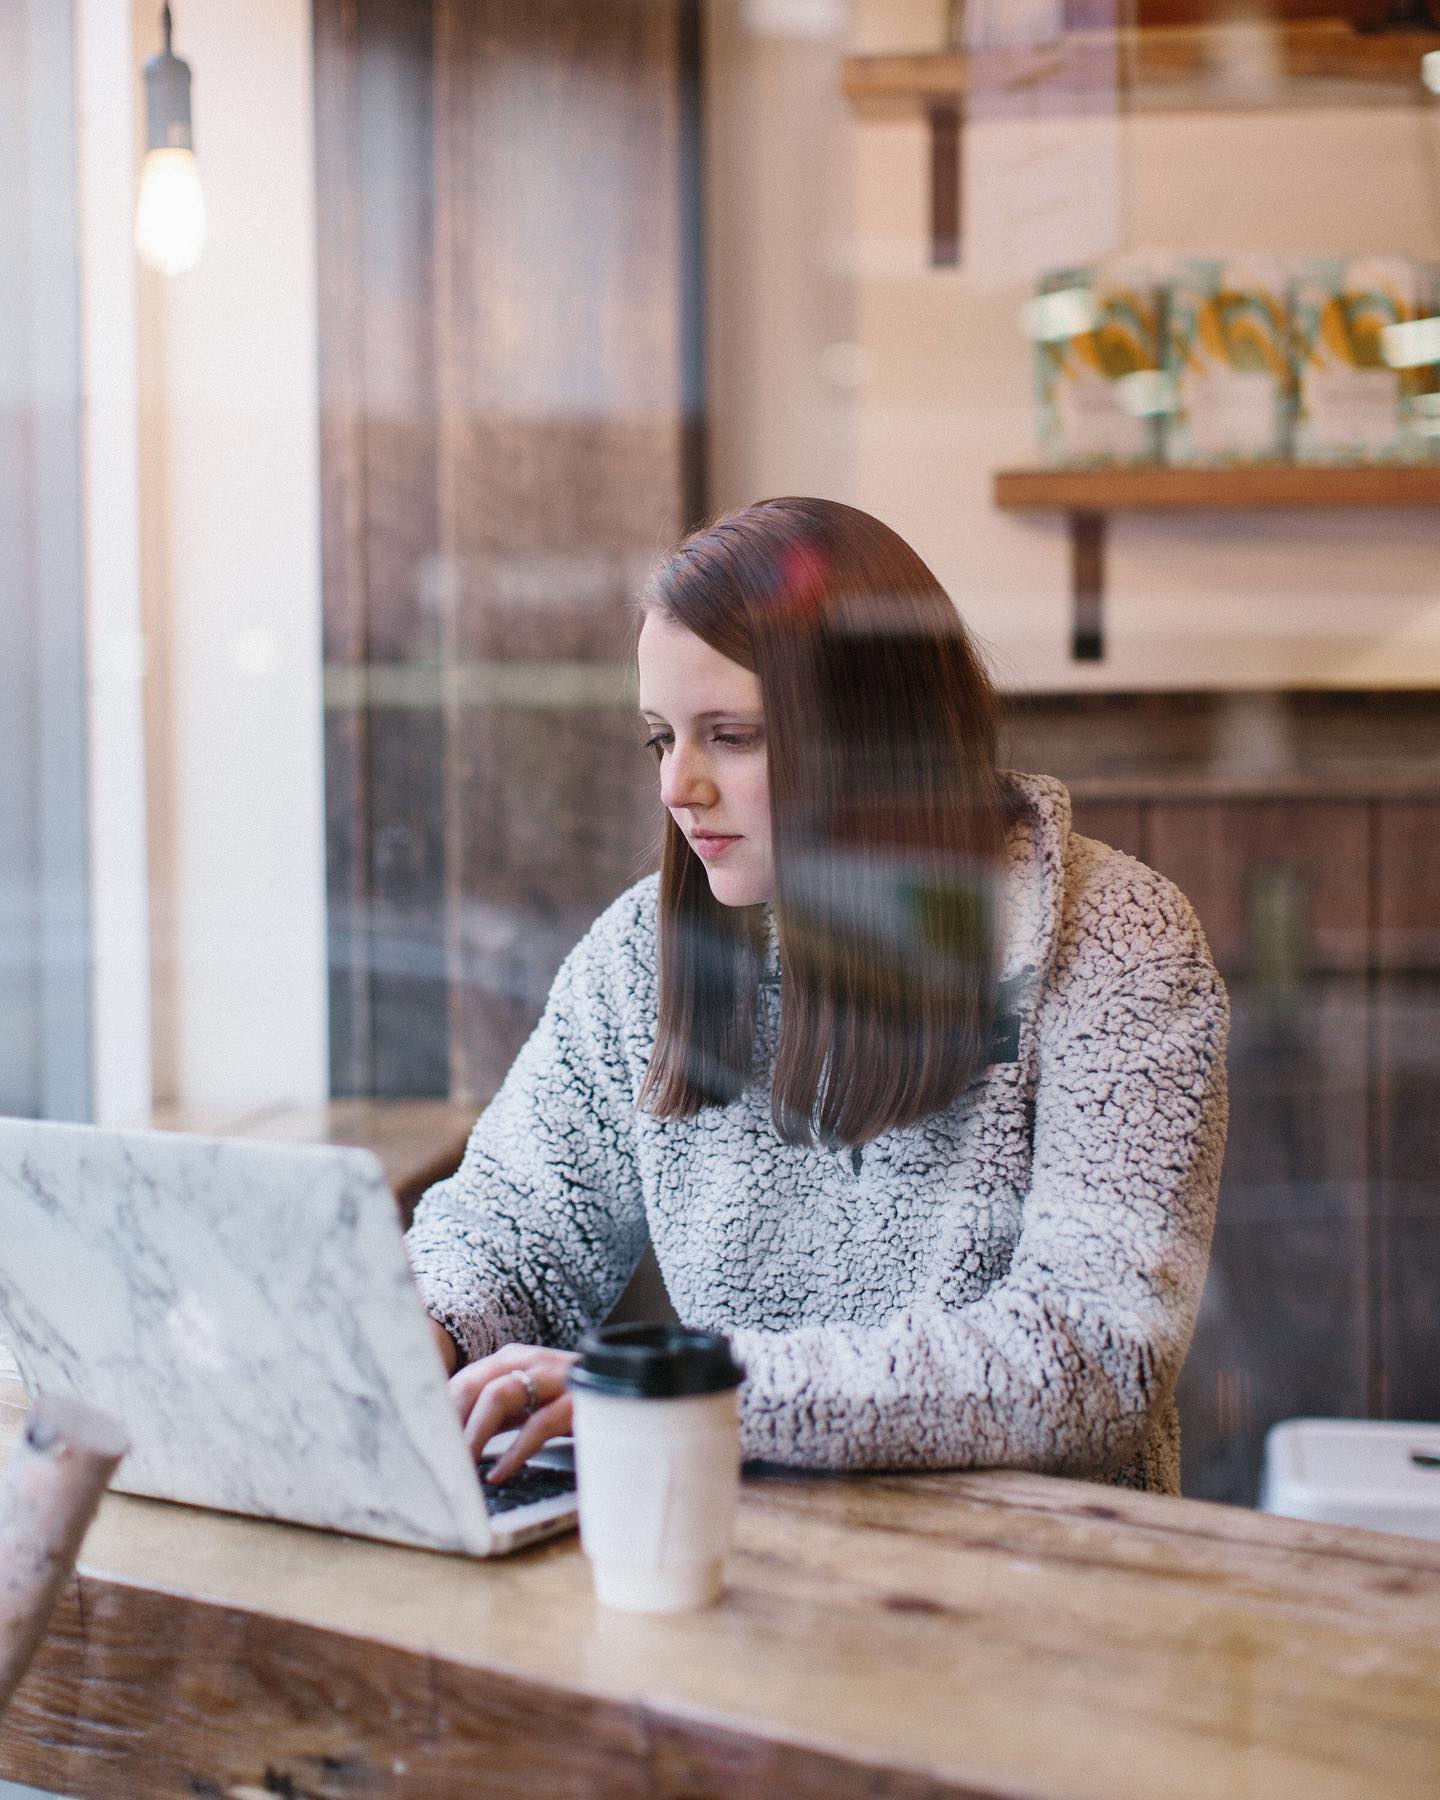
[[532, 1393]]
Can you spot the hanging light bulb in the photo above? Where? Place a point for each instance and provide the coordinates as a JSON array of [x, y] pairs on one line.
[[170, 214]]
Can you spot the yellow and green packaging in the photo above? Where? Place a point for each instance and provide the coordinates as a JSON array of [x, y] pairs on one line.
[[1227, 351], [1353, 406], [1098, 337]]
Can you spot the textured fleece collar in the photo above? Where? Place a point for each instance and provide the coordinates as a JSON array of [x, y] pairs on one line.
[[1034, 881]]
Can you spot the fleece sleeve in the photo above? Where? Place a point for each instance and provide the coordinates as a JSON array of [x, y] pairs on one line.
[[1064, 1363], [535, 1235]]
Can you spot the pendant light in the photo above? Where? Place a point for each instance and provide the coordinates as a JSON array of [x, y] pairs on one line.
[[170, 213]]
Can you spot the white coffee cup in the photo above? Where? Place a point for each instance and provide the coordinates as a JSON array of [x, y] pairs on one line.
[[657, 1462]]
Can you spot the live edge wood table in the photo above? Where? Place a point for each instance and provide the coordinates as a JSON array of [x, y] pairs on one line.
[[985, 1634]]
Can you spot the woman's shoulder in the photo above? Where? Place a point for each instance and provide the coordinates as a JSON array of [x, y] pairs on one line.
[[1122, 907], [1077, 898]]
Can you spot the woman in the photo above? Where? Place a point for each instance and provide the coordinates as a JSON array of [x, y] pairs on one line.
[[919, 1096]]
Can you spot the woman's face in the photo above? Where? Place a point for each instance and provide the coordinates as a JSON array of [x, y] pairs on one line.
[[703, 716]]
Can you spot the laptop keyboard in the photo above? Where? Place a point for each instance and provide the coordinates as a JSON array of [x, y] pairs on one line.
[[527, 1485]]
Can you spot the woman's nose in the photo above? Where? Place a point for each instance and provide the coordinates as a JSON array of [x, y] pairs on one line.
[[684, 780]]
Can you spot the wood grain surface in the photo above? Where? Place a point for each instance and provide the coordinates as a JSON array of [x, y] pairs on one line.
[[1406, 1116], [988, 1634], [1299, 63], [417, 1141], [1281, 486], [561, 272], [511, 413]]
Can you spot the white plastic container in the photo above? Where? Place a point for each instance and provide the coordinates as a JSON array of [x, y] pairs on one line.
[[657, 1460], [1382, 1474], [658, 1483]]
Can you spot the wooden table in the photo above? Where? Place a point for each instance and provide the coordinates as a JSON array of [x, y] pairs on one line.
[[988, 1634], [417, 1141]]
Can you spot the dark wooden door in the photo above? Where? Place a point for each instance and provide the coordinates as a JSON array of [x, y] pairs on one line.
[[1282, 889], [510, 419], [1406, 1220]]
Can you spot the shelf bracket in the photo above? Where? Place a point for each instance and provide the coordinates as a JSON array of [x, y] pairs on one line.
[[1087, 586], [945, 125]]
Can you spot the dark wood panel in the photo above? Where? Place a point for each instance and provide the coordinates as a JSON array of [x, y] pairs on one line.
[[1407, 886], [385, 770], [409, 973], [1407, 1107], [1121, 823], [1101, 15], [340, 351], [1284, 1329], [1263, 744], [1281, 887], [1282, 890], [557, 814], [564, 459], [347, 899], [511, 404]]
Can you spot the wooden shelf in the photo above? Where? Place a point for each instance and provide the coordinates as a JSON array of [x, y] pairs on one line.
[[1268, 488], [1089, 495], [1162, 68], [1240, 67]]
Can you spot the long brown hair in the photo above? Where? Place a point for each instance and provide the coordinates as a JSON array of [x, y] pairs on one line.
[[888, 819]]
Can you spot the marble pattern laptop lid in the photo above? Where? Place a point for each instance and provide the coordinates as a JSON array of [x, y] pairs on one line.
[[247, 1311]]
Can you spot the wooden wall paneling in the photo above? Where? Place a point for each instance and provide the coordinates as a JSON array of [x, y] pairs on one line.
[[1120, 823], [1282, 889], [385, 736], [409, 985], [1407, 1107], [563, 470], [1127, 739], [342, 503], [1101, 15]]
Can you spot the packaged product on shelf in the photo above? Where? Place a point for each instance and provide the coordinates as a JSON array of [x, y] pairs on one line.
[[1359, 400], [1098, 346], [1227, 350]]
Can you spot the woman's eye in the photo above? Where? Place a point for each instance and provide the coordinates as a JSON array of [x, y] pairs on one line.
[[662, 741]]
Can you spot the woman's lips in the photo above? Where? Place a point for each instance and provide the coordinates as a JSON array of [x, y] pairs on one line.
[[708, 846]]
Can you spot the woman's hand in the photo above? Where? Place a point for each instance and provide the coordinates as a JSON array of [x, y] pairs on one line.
[[490, 1396]]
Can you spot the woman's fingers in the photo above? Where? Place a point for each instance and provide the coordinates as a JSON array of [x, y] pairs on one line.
[[483, 1371], [501, 1402], [551, 1421], [493, 1394]]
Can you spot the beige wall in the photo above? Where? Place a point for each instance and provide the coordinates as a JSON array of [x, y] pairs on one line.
[[119, 882], [939, 375], [231, 564]]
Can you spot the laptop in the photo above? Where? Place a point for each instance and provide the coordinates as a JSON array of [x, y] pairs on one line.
[[246, 1310]]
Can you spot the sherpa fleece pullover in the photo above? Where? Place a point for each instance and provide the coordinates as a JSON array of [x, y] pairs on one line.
[[1013, 1281]]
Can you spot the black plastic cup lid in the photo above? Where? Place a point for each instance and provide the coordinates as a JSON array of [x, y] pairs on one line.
[[655, 1362]]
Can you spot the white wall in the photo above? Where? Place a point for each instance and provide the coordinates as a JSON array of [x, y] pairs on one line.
[[121, 1085], [230, 486], [941, 375]]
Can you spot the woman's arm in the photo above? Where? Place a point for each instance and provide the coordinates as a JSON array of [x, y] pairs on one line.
[[1063, 1364], [535, 1235], [446, 1345]]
